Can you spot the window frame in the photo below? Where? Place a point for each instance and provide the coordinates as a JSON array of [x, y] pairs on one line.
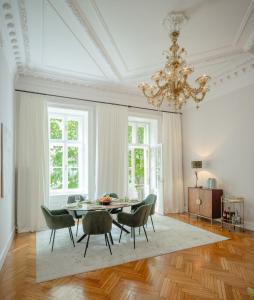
[[66, 143], [135, 145]]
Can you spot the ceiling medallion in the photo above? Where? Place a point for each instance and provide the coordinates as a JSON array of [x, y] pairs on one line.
[[170, 83]]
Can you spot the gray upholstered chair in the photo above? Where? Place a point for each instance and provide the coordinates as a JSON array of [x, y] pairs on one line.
[[98, 222], [150, 199], [75, 213], [58, 219], [136, 219]]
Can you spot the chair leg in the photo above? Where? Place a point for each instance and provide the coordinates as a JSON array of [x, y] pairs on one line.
[[51, 236], [145, 233], [71, 236], [54, 233], [133, 230], [106, 240], [152, 223], [106, 236], [121, 234], [77, 227], [87, 243], [139, 230], [111, 238]]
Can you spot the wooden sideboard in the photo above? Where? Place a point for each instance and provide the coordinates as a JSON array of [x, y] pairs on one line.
[[205, 202]]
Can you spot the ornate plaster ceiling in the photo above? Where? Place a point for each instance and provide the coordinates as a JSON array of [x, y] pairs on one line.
[[115, 44]]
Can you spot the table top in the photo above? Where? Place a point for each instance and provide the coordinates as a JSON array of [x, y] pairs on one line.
[[90, 205]]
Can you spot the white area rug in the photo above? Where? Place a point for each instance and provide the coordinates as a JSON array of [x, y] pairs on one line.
[[171, 235]]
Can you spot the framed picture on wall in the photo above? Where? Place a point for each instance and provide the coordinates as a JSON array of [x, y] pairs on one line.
[[1, 160]]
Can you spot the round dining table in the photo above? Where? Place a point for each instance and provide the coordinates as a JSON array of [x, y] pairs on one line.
[[91, 206]]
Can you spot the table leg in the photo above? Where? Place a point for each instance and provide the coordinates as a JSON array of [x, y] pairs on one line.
[[120, 226], [82, 237]]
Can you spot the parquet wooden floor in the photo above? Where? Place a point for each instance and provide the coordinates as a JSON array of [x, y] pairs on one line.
[[219, 271]]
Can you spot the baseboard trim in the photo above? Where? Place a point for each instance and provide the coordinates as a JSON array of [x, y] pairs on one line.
[[6, 249]]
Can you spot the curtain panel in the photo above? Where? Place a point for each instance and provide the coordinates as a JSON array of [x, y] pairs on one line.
[[32, 161], [111, 149], [173, 194]]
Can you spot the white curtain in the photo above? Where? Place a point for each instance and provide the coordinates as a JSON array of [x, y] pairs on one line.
[[173, 196], [111, 149], [32, 161]]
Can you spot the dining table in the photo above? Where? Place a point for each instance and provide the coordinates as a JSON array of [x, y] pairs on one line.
[[96, 205]]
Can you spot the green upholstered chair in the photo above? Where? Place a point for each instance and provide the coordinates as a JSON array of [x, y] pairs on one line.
[[75, 213], [150, 199], [136, 219], [97, 222], [58, 219]]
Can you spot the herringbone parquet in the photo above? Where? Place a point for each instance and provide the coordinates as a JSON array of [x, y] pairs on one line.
[[219, 271]]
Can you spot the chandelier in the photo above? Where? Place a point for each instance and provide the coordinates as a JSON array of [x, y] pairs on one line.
[[170, 83]]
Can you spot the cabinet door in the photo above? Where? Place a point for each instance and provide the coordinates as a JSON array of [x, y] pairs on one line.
[[206, 203], [193, 200]]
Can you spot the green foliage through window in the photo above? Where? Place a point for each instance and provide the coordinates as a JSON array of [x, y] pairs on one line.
[[72, 130], [139, 162], [140, 135], [129, 134], [56, 156], [56, 129], [73, 178]]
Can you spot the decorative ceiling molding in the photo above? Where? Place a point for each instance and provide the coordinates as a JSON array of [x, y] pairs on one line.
[[74, 6], [11, 29], [24, 27], [229, 55], [243, 24]]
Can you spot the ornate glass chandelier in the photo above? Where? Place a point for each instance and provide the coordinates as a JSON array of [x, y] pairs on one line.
[[170, 83]]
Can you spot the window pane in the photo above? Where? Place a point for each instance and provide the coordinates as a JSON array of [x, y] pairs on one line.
[[73, 178], [56, 129], [140, 135], [129, 158], [72, 126], [139, 163], [129, 134], [56, 156], [73, 156], [130, 175], [56, 179]]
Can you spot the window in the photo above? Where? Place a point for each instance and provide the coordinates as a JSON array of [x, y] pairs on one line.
[[67, 151], [138, 158]]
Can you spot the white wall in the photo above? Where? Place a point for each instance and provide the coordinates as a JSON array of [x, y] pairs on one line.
[[6, 117], [221, 133]]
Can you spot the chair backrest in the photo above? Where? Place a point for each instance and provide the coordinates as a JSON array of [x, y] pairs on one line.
[[151, 199], [47, 215], [141, 215], [71, 198], [97, 222]]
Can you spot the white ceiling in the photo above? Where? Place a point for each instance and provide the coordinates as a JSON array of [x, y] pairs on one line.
[[118, 43]]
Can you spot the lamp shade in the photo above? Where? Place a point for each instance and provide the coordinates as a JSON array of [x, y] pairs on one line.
[[196, 164]]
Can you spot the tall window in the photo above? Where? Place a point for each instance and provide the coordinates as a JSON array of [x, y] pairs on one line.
[[67, 151], [138, 157]]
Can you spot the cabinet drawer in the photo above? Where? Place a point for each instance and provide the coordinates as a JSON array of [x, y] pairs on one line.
[[193, 203], [206, 203]]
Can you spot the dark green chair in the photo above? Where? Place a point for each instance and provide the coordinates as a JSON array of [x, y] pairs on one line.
[[136, 219], [58, 219], [150, 199], [97, 222], [75, 213]]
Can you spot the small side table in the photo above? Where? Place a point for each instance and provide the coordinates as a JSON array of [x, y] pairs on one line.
[[235, 211]]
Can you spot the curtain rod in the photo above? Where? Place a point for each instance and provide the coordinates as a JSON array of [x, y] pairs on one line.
[[95, 101]]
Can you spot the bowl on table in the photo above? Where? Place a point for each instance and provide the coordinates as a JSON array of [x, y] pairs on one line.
[[105, 200]]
